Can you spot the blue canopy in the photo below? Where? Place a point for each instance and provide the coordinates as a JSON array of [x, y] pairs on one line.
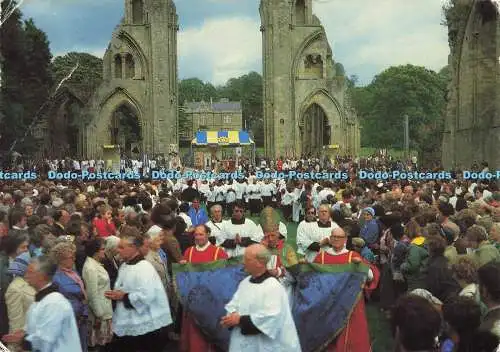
[[222, 138]]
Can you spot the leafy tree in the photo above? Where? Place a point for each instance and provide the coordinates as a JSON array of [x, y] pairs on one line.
[[86, 78], [248, 89], [194, 89], [36, 76], [12, 55], [403, 90]]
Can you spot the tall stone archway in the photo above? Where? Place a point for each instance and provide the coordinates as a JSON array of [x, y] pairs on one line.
[[319, 110], [299, 72], [140, 73]]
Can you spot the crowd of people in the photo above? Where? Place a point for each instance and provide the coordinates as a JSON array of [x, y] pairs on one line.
[[90, 266]]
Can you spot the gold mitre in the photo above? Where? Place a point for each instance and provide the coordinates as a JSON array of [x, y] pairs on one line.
[[269, 219]]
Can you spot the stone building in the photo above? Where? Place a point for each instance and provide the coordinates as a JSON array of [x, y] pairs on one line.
[[472, 123], [223, 115], [305, 102], [139, 80]]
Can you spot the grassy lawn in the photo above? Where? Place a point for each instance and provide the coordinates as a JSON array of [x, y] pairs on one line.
[[378, 324]]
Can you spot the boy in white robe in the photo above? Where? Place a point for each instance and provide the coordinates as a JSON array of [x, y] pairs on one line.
[[259, 312], [50, 321]]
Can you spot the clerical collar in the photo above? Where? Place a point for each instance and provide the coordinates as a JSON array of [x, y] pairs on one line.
[[216, 222], [135, 260], [260, 279], [49, 288], [238, 222], [203, 248], [325, 225], [332, 251]]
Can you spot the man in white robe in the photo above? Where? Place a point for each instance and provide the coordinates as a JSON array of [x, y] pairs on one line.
[[310, 242], [215, 224], [238, 232], [259, 312], [50, 321], [142, 312]]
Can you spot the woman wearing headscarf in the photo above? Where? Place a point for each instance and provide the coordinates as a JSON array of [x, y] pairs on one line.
[[19, 296]]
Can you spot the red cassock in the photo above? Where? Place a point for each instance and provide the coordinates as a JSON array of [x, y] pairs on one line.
[[192, 340], [355, 336]]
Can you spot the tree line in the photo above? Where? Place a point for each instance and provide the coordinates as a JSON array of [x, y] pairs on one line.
[[30, 74]]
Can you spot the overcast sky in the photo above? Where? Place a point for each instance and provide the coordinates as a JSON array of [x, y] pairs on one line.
[[220, 39]]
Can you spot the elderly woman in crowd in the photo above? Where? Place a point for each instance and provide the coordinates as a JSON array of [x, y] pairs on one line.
[[153, 256], [97, 282], [71, 286], [110, 261], [19, 296]]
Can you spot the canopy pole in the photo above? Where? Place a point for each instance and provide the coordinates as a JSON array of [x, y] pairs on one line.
[[254, 152]]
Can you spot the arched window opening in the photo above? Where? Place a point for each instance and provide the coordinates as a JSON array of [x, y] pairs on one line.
[[118, 66], [129, 66], [137, 12], [313, 66], [300, 12]]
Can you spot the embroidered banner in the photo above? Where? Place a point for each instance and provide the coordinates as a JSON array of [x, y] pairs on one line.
[[323, 299]]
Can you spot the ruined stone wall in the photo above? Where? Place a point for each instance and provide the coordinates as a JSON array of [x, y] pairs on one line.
[[147, 37], [298, 71], [472, 123]]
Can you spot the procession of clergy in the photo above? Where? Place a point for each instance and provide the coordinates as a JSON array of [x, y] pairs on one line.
[[98, 269]]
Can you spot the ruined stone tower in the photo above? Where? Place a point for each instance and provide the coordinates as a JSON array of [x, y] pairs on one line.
[[472, 123], [140, 74], [305, 104]]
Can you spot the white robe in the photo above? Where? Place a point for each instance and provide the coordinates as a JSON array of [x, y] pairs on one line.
[[314, 233], [267, 305], [296, 205], [216, 230], [51, 325], [148, 297], [229, 231]]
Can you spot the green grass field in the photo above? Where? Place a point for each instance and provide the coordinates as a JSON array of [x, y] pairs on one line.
[[378, 323]]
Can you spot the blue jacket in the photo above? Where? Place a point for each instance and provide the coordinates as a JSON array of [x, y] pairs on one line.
[[73, 293], [198, 218]]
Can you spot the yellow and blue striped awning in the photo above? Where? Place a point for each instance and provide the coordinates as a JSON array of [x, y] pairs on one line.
[[222, 138]]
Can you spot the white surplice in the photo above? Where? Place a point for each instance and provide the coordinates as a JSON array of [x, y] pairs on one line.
[[230, 230], [308, 233], [216, 229], [151, 309], [267, 305], [51, 325]]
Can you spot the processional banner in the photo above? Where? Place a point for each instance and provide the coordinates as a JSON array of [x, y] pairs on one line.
[[322, 300]]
